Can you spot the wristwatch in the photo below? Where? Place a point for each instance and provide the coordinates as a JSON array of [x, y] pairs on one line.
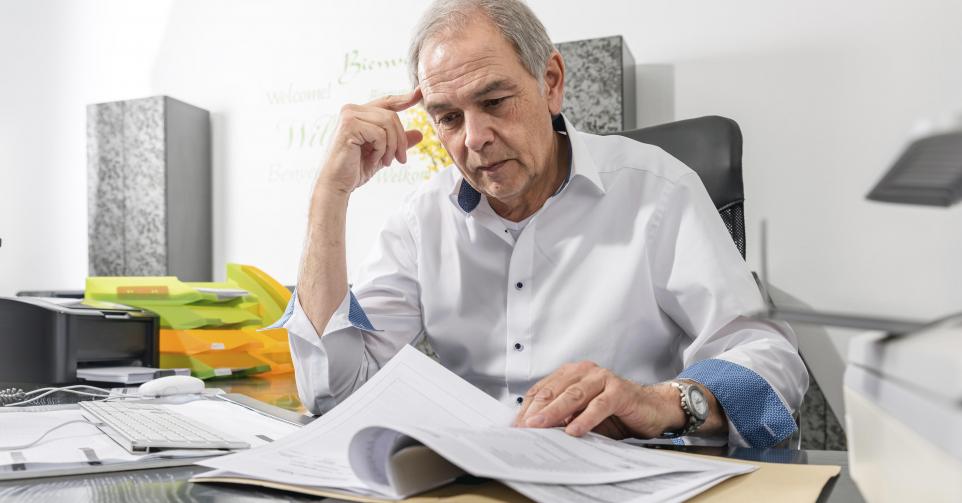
[[695, 406]]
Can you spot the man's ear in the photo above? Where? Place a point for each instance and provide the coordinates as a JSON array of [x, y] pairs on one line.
[[554, 82]]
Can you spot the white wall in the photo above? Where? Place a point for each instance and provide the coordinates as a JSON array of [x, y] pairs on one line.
[[57, 56], [826, 93]]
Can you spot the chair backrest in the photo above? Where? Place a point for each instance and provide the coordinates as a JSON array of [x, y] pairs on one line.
[[712, 147]]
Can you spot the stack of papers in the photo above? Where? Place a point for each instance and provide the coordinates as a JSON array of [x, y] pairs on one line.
[[415, 426]]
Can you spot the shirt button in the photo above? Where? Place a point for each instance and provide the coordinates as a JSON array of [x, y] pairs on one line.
[[519, 285], [519, 400], [518, 346]]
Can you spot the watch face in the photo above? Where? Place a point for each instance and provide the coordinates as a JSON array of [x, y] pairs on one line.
[[699, 403]]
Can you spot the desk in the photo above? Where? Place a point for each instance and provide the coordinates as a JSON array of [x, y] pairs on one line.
[[277, 390], [170, 484]]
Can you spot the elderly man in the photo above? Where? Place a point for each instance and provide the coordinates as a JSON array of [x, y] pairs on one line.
[[587, 280]]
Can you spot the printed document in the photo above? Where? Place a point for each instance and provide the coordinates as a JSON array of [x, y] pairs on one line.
[[415, 425]]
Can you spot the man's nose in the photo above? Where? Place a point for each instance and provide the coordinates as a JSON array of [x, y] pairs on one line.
[[478, 131]]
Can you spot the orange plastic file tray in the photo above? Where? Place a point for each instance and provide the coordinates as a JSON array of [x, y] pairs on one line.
[[229, 359], [190, 342], [280, 363], [204, 370]]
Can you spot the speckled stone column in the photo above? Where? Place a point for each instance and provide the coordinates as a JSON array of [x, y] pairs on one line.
[[148, 189], [599, 84]]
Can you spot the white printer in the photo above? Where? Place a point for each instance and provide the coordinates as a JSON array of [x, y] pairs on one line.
[[903, 414]]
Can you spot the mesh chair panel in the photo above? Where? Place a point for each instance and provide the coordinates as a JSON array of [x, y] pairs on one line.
[[734, 217]]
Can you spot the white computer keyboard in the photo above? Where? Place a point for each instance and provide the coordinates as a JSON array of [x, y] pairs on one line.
[[140, 427]]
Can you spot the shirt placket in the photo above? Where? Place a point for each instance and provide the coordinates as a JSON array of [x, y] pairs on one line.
[[520, 292]]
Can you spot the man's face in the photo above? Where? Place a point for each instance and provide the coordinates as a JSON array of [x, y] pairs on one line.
[[490, 113]]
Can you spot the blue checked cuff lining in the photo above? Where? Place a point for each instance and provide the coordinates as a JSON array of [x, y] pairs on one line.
[[355, 315], [750, 403]]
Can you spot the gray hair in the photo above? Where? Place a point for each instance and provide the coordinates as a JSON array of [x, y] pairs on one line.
[[512, 18]]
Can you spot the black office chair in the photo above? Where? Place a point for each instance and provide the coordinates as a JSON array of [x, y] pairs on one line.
[[712, 146]]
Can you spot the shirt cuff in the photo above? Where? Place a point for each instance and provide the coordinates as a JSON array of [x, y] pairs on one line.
[[327, 368], [753, 407], [348, 314]]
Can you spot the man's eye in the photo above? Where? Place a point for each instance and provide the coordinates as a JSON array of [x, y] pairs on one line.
[[449, 119], [494, 103]]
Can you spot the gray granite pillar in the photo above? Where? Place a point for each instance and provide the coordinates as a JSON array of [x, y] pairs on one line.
[[149, 189], [599, 84]]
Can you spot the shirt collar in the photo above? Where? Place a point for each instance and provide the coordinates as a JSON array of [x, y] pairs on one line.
[[580, 164]]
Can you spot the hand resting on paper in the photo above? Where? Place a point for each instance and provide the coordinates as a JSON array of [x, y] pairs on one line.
[[584, 397]]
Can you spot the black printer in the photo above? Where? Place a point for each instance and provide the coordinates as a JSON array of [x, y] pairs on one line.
[[45, 340]]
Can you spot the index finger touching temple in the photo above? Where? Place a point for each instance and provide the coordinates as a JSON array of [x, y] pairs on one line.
[[398, 102]]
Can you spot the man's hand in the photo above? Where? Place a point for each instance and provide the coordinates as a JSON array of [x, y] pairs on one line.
[[368, 138], [584, 397]]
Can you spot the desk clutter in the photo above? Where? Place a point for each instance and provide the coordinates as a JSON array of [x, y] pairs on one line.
[[128, 432], [409, 431], [213, 329]]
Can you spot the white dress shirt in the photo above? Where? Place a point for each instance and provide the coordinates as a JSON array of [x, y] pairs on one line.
[[629, 265]]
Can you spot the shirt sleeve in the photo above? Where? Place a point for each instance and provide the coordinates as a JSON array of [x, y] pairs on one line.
[[752, 367], [372, 323]]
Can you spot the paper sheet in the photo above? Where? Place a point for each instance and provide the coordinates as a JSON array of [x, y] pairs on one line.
[[543, 456], [65, 445], [413, 390], [410, 389], [236, 421]]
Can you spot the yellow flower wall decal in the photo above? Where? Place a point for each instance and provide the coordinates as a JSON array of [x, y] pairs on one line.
[[430, 148]]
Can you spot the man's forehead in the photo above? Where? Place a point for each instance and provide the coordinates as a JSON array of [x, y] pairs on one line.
[[446, 76], [471, 85], [466, 59], [459, 63]]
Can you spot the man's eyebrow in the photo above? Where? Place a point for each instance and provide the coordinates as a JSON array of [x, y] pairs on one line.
[[497, 85], [434, 108]]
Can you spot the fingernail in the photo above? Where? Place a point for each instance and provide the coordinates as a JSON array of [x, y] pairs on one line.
[[535, 421]]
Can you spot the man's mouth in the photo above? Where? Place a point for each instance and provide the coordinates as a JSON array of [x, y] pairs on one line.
[[490, 168]]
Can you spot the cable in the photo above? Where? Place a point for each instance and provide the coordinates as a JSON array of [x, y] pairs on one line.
[[51, 430], [103, 394], [69, 389]]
